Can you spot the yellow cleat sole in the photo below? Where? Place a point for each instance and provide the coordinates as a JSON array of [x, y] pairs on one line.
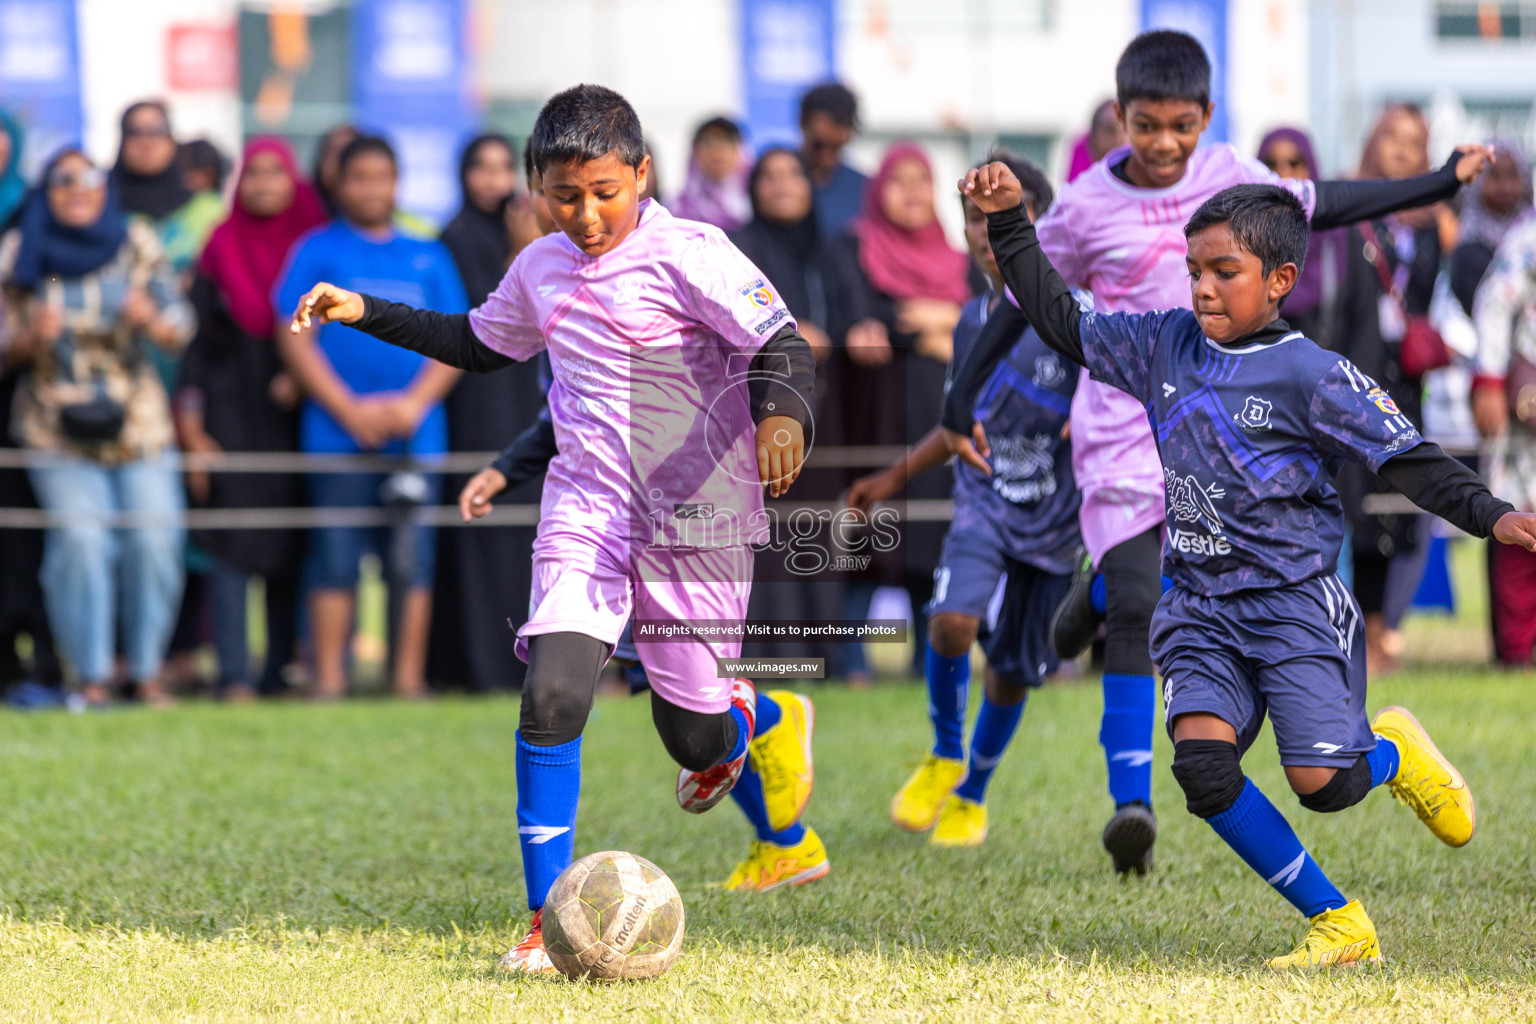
[[810, 874]]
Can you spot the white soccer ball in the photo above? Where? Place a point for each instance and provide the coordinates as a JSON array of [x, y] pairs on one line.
[[613, 915]]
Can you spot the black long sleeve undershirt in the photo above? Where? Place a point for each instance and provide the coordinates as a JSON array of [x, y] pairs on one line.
[[1045, 303], [782, 369], [529, 454], [1440, 485], [1346, 202]]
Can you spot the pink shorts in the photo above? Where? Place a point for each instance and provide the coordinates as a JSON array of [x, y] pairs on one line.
[[1113, 513], [582, 585]]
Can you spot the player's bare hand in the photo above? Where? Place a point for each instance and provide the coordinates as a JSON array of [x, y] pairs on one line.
[[868, 491], [973, 449], [992, 187], [325, 304], [868, 344], [1490, 410], [475, 498], [1517, 528], [1473, 157], [780, 452]]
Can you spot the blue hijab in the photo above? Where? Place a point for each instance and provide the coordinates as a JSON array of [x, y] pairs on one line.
[[13, 187], [50, 249]]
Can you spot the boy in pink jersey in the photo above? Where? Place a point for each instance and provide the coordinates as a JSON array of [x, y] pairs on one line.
[[1117, 232], [681, 388]]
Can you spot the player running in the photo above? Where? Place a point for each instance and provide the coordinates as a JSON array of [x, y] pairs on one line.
[[1252, 420], [645, 318], [1116, 231], [1015, 525]]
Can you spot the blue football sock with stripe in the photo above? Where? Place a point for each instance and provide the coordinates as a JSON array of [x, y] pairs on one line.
[[548, 788], [1098, 594], [748, 794], [1383, 761], [1130, 714], [995, 725], [949, 684], [1263, 838]]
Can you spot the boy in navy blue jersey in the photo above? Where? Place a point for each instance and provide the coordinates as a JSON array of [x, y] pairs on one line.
[[1251, 421], [1014, 524]]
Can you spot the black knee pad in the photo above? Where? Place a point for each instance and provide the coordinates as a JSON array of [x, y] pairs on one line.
[[1210, 774], [563, 669], [1347, 788], [694, 740]]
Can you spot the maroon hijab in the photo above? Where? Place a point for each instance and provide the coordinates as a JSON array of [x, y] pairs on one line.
[[907, 264], [245, 254]]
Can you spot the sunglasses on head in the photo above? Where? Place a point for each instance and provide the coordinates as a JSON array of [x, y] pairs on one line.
[[90, 177]]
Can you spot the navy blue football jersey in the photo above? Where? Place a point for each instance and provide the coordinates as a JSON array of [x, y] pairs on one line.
[[1028, 507], [1250, 438]]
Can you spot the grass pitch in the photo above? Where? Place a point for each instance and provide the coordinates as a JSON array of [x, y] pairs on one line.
[[357, 862]]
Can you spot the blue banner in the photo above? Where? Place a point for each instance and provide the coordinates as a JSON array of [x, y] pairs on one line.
[[40, 74], [1206, 20], [410, 83], [787, 46]]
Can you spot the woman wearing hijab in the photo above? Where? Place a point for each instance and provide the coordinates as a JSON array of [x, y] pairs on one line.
[[1288, 152], [1492, 205], [484, 574], [1386, 271], [91, 290], [898, 297], [715, 189], [234, 396], [21, 551]]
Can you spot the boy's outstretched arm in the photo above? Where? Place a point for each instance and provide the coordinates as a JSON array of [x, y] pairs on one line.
[[781, 390], [445, 337], [1440, 485], [1346, 202]]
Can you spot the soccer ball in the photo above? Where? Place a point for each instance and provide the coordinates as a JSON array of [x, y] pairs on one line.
[[613, 915]]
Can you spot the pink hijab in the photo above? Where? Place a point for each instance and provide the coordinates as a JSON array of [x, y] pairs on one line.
[[907, 264], [245, 254]]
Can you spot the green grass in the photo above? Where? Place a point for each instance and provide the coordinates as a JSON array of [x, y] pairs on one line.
[[357, 862]]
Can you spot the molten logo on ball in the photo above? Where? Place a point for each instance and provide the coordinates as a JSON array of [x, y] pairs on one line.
[[613, 915]]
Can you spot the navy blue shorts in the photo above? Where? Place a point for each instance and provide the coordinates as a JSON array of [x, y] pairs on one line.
[[335, 551], [1014, 601], [1296, 653]]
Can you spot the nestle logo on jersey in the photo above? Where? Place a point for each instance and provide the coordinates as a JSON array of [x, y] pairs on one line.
[[1197, 544], [758, 293]]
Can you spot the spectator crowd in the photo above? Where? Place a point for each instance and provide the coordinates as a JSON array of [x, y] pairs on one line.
[[145, 314]]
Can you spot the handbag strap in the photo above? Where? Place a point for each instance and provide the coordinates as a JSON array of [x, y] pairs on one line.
[[1378, 257]]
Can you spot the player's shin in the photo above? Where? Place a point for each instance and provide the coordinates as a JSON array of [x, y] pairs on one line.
[[548, 788]]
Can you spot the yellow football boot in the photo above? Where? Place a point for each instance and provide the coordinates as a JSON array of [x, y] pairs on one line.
[[962, 822], [782, 759], [1425, 780], [918, 802], [769, 866], [1337, 937]]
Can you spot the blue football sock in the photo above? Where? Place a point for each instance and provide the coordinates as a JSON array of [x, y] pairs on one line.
[[1130, 712], [949, 684], [1383, 761], [995, 724], [548, 787], [1262, 837], [748, 794], [768, 713], [1098, 594]]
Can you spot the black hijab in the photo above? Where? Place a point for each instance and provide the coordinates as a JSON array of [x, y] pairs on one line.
[[156, 196], [788, 254], [477, 239]]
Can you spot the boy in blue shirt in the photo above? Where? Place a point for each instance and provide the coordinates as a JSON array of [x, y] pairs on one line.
[[1252, 420], [1015, 525]]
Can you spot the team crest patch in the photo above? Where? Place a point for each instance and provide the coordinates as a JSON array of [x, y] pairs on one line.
[[1383, 401], [758, 293], [1255, 414], [1048, 371]]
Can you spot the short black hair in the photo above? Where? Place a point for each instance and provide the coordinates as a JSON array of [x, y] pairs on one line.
[[835, 100], [723, 125], [362, 145], [1163, 65], [202, 155], [586, 122], [1266, 220], [1037, 187]]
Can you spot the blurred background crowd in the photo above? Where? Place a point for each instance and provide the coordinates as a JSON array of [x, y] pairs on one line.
[[151, 249]]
